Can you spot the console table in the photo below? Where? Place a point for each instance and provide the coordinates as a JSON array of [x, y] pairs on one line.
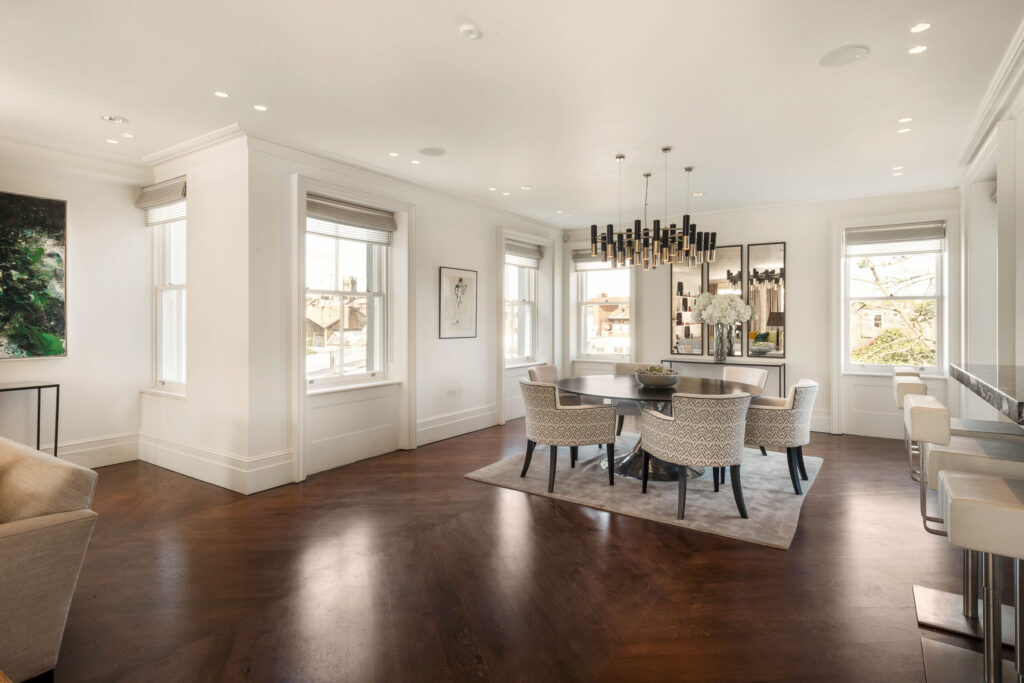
[[780, 366], [38, 388]]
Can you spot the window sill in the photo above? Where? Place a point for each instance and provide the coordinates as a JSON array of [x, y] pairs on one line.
[[319, 391], [527, 364], [163, 393], [608, 360], [884, 375]]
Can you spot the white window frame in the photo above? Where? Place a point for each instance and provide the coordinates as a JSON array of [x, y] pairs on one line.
[[162, 283], [381, 262], [581, 318], [939, 297], [519, 304]]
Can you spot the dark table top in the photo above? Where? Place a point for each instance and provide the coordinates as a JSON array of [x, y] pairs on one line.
[[1002, 386], [626, 387]]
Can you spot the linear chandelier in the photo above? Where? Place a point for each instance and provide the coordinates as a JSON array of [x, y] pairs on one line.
[[648, 247]]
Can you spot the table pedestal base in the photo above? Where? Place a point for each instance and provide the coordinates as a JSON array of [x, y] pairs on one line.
[[631, 464]]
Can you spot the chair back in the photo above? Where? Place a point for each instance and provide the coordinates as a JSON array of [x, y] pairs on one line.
[[801, 402], [753, 376], [540, 404], [630, 368], [709, 430], [548, 374]]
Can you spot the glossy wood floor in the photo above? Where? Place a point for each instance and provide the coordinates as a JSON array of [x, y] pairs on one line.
[[399, 569]]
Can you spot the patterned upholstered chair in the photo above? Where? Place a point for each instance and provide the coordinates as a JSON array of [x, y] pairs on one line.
[[547, 421], [548, 374], [784, 423], [625, 407], [703, 431]]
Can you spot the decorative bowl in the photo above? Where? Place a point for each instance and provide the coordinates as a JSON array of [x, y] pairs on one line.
[[761, 348], [665, 378]]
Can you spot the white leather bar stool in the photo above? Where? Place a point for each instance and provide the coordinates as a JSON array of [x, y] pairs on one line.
[[927, 424], [903, 386], [986, 429], [984, 514], [905, 371]]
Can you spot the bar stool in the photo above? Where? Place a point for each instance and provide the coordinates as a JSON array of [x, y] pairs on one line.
[[983, 514], [902, 386]]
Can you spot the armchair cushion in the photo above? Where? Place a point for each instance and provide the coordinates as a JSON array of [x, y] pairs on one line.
[[34, 484]]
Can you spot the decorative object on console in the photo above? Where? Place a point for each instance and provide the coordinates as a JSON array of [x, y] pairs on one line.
[[766, 293], [457, 303], [33, 277]]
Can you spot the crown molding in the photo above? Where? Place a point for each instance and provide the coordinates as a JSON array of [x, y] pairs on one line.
[[1005, 87], [214, 137], [76, 160]]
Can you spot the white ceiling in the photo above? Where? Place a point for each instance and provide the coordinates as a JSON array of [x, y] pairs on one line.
[[546, 98]]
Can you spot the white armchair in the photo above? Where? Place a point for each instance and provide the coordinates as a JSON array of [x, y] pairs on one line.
[[547, 421], [784, 423], [753, 376], [703, 431]]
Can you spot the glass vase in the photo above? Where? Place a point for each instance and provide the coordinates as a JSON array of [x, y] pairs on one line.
[[723, 342]]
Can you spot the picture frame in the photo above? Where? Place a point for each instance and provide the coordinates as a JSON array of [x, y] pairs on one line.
[[457, 303]]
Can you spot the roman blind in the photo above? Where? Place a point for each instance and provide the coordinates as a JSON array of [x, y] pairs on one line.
[[523, 253], [582, 260], [349, 221], [163, 202], [894, 239]]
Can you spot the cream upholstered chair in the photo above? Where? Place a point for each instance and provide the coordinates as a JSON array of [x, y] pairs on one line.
[[548, 374], [547, 421], [784, 423], [703, 431], [625, 407], [753, 376], [45, 525]]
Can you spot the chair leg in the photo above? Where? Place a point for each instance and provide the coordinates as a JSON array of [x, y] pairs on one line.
[[530, 445], [714, 475], [611, 464], [721, 472], [618, 429], [737, 490], [791, 457], [681, 507], [551, 473], [763, 451], [647, 468], [800, 462], [574, 452]]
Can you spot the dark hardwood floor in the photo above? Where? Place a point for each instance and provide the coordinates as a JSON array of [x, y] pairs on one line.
[[399, 569]]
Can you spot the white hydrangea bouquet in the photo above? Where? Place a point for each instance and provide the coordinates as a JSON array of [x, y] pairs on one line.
[[723, 311]]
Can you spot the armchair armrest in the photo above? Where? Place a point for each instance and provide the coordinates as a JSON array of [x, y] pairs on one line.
[[661, 416]]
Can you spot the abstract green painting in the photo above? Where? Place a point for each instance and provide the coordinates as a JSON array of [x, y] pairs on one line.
[[33, 244]]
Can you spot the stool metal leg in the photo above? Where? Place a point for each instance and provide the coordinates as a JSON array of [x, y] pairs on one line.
[[993, 575], [1018, 617], [971, 584]]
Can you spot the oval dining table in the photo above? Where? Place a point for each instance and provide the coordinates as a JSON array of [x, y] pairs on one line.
[[627, 388]]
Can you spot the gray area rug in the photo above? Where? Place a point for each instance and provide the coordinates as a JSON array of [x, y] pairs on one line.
[[773, 508]]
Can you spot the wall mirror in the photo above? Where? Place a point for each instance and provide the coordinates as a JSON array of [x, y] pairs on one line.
[[725, 276], [687, 333], [766, 292]]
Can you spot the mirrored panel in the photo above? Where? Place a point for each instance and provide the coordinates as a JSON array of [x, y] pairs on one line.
[[687, 331], [725, 276], [766, 292]]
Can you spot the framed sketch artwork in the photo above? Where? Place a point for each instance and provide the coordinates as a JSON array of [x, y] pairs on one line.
[[458, 303]]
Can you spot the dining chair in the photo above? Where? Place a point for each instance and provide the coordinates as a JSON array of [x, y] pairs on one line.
[[549, 422], [548, 374], [624, 407], [784, 423], [703, 431], [755, 376]]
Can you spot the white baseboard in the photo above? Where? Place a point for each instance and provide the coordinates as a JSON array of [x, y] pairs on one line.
[[97, 451], [821, 421], [459, 422], [242, 474], [345, 449], [514, 408]]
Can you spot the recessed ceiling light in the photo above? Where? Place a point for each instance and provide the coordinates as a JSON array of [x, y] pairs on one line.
[[568, 214], [906, 119], [917, 28], [220, 93], [492, 189], [526, 188], [469, 32], [698, 194], [917, 49], [415, 162], [114, 118], [842, 56], [112, 141], [432, 152], [392, 154], [259, 107], [559, 211], [127, 135], [897, 168], [903, 130], [898, 173], [505, 194]]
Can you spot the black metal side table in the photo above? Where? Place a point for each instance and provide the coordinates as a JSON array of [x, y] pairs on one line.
[[38, 388]]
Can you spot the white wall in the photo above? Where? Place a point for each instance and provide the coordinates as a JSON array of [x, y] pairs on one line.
[[806, 229], [109, 296]]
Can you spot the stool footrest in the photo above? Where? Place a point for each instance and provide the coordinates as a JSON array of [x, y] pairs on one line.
[[945, 663], [944, 611]]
